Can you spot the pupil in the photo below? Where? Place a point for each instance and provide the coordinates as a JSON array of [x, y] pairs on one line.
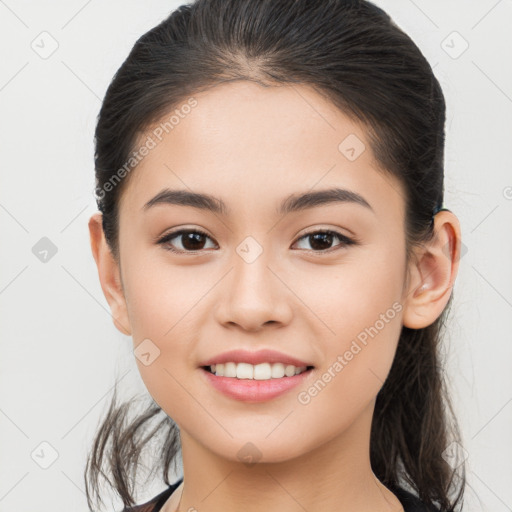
[[194, 239], [318, 237]]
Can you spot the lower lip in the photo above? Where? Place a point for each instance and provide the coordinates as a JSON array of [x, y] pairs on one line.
[[250, 390]]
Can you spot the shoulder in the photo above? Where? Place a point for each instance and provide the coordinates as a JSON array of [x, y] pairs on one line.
[[156, 503], [412, 503]]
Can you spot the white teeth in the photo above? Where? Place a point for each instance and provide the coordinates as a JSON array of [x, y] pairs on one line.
[[229, 370], [263, 371], [242, 371], [277, 371]]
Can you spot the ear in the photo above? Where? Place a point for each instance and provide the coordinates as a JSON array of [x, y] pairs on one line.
[[109, 274], [432, 273]]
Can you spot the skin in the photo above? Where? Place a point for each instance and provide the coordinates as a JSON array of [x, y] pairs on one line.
[[252, 147]]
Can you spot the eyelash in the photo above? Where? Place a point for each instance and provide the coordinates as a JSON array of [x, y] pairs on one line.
[[345, 241]]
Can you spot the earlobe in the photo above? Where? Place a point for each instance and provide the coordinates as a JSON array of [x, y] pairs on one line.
[[109, 274], [432, 273]]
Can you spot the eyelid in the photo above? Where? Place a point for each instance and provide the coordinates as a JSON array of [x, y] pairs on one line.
[[310, 230]]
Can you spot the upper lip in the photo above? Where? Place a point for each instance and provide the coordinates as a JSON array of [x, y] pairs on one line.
[[261, 356]]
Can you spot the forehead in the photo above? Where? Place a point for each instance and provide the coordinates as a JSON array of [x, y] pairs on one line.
[[252, 144]]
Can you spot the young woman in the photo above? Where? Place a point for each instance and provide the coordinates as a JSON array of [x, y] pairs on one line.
[[272, 237]]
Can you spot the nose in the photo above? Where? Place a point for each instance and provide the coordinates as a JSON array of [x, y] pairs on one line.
[[253, 295]]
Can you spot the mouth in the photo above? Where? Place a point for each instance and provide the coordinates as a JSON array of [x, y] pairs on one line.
[[260, 383]]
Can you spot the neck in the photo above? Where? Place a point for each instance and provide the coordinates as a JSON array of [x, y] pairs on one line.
[[335, 476]]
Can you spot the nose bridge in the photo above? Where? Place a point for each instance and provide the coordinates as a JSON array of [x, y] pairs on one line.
[[253, 295], [252, 280]]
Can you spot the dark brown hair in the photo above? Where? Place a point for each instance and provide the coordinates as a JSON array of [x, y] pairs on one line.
[[353, 54]]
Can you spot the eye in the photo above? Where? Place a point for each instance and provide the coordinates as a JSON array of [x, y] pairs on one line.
[[321, 240], [192, 240]]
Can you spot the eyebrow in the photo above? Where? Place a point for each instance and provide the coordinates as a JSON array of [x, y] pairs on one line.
[[293, 203]]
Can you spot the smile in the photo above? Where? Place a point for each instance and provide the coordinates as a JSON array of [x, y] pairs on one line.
[[248, 383], [262, 371]]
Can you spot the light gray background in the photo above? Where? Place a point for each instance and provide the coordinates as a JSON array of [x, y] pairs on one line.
[[60, 352]]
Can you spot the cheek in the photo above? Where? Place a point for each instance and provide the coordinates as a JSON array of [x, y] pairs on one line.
[[357, 359], [161, 297], [350, 297], [361, 320], [161, 306]]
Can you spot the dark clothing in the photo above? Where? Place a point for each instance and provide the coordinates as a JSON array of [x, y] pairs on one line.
[[410, 502], [155, 504]]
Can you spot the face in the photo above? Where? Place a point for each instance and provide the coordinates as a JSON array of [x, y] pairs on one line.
[[259, 277]]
